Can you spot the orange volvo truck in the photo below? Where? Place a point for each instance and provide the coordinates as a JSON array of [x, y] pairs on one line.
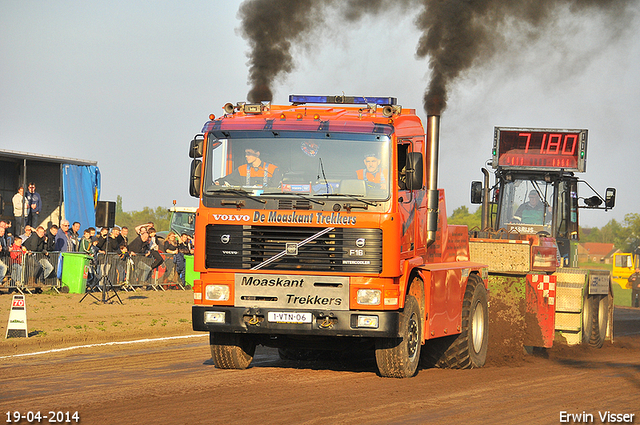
[[320, 227]]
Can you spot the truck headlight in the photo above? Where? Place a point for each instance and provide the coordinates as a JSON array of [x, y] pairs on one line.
[[217, 292], [368, 296]]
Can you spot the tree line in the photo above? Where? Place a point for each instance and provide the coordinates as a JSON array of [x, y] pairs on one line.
[[160, 216]]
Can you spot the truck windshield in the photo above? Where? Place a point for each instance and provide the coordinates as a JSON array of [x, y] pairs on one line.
[[183, 222], [314, 164], [526, 206]]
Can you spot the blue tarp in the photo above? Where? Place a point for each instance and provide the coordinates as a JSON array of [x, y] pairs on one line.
[[81, 191]]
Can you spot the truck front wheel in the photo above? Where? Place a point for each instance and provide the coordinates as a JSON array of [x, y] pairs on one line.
[[399, 357], [231, 351]]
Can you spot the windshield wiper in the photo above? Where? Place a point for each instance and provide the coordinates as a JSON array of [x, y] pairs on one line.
[[364, 201], [315, 201], [240, 192]]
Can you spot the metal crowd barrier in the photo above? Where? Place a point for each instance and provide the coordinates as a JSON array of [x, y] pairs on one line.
[[33, 272], [139, 273]]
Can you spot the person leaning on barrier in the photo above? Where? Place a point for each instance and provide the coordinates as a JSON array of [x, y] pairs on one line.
[[50, 238], [170, 247], [123, 236], [137, 248], [63, 239], [153, 247], [102, 240], [17, 251], [4, 253], [113, 244], [35, 246], [181, 264], [187, 242], [74, 235], [85, 243], [121, 264]]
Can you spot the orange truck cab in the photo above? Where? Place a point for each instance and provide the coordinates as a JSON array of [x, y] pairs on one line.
[[320, 227]]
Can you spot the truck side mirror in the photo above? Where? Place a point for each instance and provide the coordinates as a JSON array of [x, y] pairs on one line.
[[476, 192], [196, 178], [610, 198], [414, 171], [196, 148]]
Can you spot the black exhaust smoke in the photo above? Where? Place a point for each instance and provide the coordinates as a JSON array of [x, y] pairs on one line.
[[457, 35]]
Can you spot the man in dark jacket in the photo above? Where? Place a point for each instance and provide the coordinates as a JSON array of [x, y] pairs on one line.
[[34, 205], [4, 253], [37, 253], [138, 250], [50, 238]]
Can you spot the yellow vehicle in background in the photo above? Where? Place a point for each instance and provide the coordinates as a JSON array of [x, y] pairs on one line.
[[623, 266]]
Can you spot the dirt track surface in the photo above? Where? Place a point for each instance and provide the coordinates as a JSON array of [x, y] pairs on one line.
[[173, 382]]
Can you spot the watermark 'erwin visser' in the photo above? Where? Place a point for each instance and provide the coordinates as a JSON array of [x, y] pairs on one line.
[[606, 417]]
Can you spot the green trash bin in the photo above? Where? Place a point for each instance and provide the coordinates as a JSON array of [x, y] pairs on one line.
[[75, 268], [189, 274]]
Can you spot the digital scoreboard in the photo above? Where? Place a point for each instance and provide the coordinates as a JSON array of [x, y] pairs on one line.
[[543, 149]]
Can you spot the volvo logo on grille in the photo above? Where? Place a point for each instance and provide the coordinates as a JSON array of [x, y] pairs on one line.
[[360, 242], [225, 238], [292, 248]]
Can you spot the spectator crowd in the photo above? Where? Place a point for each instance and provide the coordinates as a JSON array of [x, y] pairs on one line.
[[34, 256]]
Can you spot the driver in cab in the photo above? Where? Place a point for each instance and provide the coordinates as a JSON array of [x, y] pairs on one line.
[[532, 212], [372, 174], [254, 173]]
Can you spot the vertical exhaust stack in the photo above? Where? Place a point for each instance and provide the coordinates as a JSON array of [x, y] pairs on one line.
[[433, 143]]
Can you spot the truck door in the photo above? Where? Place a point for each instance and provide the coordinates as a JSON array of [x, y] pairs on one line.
[[406, 202], [566, 221]]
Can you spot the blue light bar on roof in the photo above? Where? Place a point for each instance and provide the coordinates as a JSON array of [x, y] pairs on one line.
[[354, 100]]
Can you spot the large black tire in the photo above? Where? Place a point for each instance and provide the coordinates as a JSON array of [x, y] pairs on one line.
[[595, 330], [469, 348], [231, 351], [399, 357]]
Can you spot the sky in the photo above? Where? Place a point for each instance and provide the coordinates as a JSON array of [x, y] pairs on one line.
[[129, 83]]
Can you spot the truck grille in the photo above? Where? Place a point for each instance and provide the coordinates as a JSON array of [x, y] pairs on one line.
[[341, 250]]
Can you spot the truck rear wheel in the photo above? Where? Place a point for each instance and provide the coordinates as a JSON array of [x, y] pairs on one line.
[[469, 348], [399, 357], [231, 351], [595, 329]]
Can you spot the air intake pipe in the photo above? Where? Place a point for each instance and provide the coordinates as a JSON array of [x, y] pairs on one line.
[[433, 142]]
